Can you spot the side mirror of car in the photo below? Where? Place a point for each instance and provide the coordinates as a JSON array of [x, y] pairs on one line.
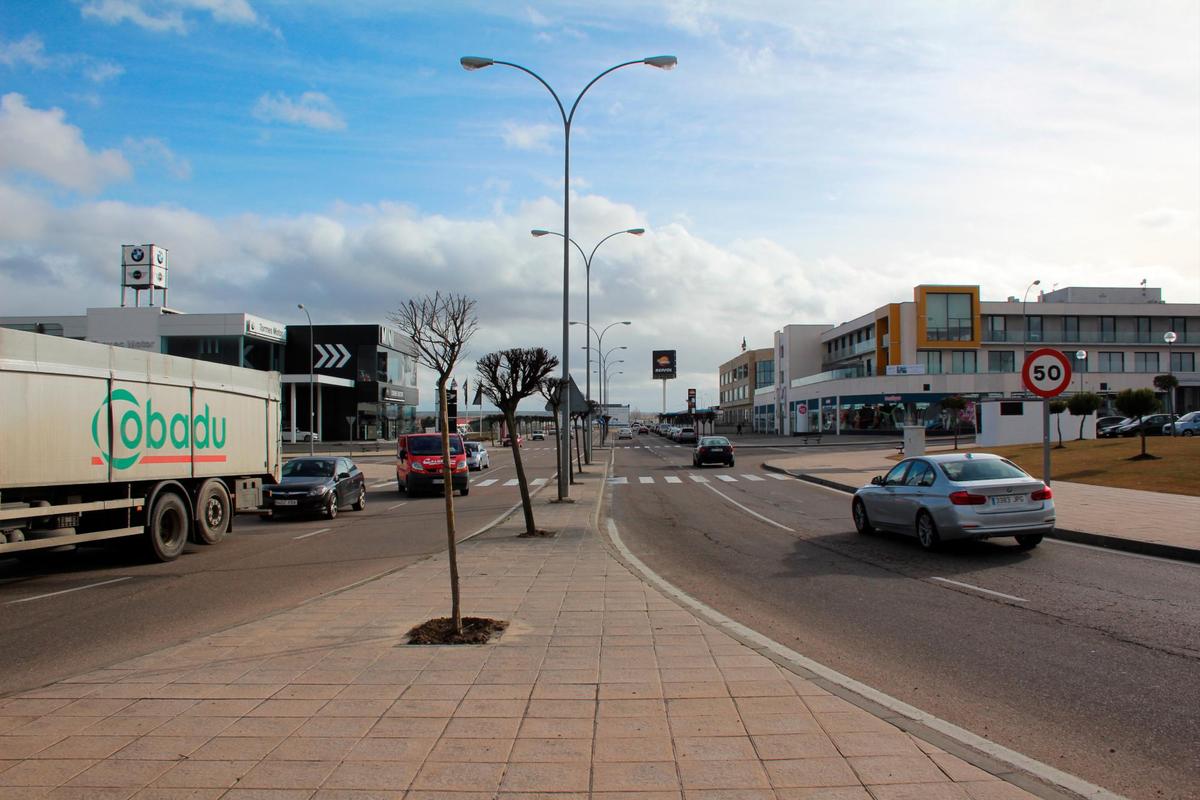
[[343, 475], [401, 454], [877, 480]]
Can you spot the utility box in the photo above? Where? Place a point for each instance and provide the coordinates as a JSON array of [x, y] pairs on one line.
[[914, 440]]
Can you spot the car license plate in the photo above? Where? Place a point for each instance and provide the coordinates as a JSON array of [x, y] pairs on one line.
[[1007, 499], [439, 480], [286, 502]]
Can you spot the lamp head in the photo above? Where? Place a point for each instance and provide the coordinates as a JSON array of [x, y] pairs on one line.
[[540, 232], [472, 63], [636, 231], [661, 62], [300, 306], [623, 347], [1037, 282], [626, 322]]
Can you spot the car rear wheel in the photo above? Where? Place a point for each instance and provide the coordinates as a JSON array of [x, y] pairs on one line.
[[927, 533], [361, 502], [1029, 541], [1188, 433], [465, 490], [731, 462], [400, 487], [862, 522]]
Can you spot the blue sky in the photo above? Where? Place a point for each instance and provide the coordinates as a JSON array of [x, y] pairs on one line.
[[805, 162]]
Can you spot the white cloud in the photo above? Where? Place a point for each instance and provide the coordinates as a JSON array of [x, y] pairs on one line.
[[42, 143], [536, 18], [155, 152], [527, 137], [28, 50], [103, 71], [311, 109], [1165, 219], [169, 16]]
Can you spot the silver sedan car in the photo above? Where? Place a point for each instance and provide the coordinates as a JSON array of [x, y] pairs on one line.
[[956, 496], [477, 456]]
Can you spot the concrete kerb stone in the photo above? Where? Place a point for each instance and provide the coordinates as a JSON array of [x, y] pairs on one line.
[[1138, 546]]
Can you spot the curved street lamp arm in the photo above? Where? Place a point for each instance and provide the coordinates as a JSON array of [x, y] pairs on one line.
[[549, 89], [587, 262], [602, 241], [567, 119]]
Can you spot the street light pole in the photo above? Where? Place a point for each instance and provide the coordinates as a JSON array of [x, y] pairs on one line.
[[1169, 337], [472, 63], [1081, 356], [1025, 325], [312, 430], [587, 263]]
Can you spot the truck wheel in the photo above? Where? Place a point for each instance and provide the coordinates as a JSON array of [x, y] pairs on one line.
[[212, 513], [167, 527]]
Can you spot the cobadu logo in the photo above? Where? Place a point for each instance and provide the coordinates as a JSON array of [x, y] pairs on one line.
[[139, 435]]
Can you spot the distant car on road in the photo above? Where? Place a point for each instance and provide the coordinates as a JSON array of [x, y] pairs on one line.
[[316, 485], [713, 450], [1151, 425], [477, 456], [686, 436], [285, 434], [419, 464], [537, 436], [625, 433], [1108, 430], [1187, 425], [506, 441], [642, 429], [956, 496]]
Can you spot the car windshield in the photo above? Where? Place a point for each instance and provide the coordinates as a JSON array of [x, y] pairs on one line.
[[472, 447], [714, 441], [981, 469], [308, 468], [432, 445]]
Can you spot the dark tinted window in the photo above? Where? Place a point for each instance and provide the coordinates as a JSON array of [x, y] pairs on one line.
[[714, 441], [308, 468], [432, 445], [983, 469]]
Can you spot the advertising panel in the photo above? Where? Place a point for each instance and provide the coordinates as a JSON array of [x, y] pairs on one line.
[[663, 364]]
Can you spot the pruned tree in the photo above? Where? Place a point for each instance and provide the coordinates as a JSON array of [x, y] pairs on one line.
[[1137, 403], [1083, 405], [439, 326], [1166, 384], [506, 378], [955, 404], [1057, 407], [553, 390]]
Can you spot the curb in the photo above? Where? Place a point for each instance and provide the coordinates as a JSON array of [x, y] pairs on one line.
[[1156, 549]]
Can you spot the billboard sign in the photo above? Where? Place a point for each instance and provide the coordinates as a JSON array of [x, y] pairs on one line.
[[663, 364]]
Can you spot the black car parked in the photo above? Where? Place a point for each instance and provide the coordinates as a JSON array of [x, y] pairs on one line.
[[317, 485], [1152, 425]]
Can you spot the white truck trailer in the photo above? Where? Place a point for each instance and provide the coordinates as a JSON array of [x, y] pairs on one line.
[[100, 442]]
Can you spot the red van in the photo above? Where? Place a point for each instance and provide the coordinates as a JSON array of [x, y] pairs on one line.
[[419, 463]]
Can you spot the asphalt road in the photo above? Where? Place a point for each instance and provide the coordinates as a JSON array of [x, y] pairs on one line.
[[1090, 664], [115, 606]]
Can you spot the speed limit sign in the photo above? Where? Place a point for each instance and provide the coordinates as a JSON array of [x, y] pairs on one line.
[[1046, 372]]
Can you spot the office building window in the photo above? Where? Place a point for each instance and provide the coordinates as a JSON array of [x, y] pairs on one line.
[[1112, 362], [1143, 329], [932, 359], [1002, 361], [1070, 329], [948, 317], [996, 328], [1179, 325], [963, 361], [1033, 327], [1108, 329], [1183, 362], [1145, 362], [762, 373]]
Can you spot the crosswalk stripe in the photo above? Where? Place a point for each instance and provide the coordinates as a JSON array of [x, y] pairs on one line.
[[646, 479], [727, 478], [488, 482], [539, 481], [752, 477], [618, 481], [673, 479], [511, 482], [779, 477], [698, 478]]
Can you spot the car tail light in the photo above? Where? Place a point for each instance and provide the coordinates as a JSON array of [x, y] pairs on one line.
[[1043, 493], [703, 449], [967, 499]]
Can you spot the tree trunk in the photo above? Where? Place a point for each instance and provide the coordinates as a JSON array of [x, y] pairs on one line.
[[1058, 424], [578, 453], [1143, 441], [447, 480], [1082, 420], [954, 422], [526, 502]]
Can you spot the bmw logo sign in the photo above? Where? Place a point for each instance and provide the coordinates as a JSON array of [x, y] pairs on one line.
[[159, 256], [137, 254]]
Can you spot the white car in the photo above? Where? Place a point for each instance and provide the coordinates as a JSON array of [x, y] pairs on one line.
[[537, 436], [477, 456], [285, 435], [625, 433]]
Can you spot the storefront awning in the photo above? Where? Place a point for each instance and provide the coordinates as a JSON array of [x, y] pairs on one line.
[[319, 380]]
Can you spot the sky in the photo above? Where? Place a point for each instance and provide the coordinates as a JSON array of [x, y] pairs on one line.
[[806, 162]]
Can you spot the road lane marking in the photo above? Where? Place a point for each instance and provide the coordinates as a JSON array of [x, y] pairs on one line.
[[698, 478], [66, 591], [779, 477], [673, 479], [393, 508], [646, 479], [980, 589], [539, 481], [312, 533], [385, 483], [618, 481], [488, 482], [511, 482], [753, 477], [727, 478], [751, 511]]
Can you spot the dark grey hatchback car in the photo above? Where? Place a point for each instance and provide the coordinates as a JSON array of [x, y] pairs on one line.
[[316, 485]]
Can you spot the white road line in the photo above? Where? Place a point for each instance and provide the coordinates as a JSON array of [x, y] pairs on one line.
[[312, 533], [980, 589], [393, 508], [65, 591], [961, 735], [539, 481], [673, 479], [698, 478], [646, 479], [751, 511], [488, 482], [779, 477], [392, 482], [1124, 553], [753, 477], [618, 481], [727, 478], [511, 482]]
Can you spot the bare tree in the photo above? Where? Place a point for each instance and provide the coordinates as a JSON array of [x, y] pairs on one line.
[[507, 377], [439, 326]]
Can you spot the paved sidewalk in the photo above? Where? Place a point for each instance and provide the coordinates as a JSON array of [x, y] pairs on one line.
[[1154, 523], [602, 687]]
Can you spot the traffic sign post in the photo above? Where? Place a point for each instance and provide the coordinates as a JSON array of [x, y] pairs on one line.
[[1046, 373]]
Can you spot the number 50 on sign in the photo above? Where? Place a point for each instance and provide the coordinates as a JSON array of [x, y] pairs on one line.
[[1046, 372]]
